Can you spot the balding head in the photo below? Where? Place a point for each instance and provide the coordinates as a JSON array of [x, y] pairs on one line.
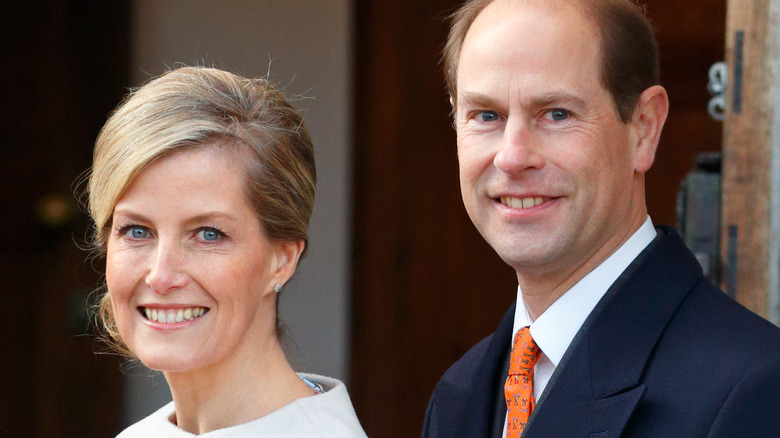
[[629, 53]]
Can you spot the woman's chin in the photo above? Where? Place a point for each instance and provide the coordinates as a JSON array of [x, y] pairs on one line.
[[168, 362]]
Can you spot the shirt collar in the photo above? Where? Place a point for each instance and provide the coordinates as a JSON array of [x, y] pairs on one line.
[[554, 330]]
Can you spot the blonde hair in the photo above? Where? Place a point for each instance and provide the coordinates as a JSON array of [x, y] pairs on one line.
[[195, 107]]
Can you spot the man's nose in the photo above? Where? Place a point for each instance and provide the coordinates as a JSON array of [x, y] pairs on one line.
[[519, 149], [166, 273]]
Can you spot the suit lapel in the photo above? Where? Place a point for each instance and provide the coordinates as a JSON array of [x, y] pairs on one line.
[[597, 385], [468, 404]]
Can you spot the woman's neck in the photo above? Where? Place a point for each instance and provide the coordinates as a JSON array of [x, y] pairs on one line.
[[235, 391]]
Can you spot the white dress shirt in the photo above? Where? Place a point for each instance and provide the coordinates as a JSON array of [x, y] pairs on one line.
[[554, 330]]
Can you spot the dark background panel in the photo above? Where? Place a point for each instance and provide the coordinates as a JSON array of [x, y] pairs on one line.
[[65, 64]]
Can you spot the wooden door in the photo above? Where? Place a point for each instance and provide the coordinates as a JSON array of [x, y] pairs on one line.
[[751, 158], [426, 287]]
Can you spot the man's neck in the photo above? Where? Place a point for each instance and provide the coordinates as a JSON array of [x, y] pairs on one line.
[[541, 289]]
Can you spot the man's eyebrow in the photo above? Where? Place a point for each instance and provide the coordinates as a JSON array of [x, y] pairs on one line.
[[543, 100], [550, 99], [477, 99]]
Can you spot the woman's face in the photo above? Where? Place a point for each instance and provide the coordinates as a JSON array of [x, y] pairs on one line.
[[189, 268]]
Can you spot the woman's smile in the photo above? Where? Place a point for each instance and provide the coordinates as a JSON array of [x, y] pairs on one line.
[[172, 316]]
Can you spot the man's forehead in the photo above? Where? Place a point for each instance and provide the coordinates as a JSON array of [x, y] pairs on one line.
[[519, 23], [516, 23], [551, 5], [585, 8], [542, 57]]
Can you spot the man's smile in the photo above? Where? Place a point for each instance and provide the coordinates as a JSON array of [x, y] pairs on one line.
[[521, 203]]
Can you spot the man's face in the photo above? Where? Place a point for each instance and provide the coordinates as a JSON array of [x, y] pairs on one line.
[[547, 170]]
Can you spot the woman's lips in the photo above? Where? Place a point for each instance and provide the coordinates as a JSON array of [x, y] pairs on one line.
[[172, 316]]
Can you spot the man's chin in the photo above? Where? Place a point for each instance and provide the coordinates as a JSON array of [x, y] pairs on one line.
[[529, 259]]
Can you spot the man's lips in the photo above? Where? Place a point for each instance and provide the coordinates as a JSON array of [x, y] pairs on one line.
[[522, 203]]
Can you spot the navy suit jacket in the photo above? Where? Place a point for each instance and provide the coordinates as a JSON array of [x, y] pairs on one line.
[[664, 354]]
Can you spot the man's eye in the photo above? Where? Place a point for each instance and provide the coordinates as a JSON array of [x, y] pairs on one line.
[[487, 116], [137, 233], [209, 234], [558, 114]]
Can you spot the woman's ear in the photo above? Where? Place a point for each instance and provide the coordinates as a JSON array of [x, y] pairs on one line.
[[286, 255], [646, 125]]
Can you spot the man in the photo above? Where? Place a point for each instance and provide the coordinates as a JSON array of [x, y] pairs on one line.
[[558, 114]]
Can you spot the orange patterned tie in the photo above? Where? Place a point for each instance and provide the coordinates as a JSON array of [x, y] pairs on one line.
[[519, 386]]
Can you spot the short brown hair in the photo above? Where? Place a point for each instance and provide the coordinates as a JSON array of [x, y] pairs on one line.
[[629, 52], [197, 107]]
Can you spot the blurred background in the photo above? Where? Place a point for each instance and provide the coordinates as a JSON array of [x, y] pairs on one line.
[[397, 284]]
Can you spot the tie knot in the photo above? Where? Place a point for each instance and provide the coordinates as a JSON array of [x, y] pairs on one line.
[[525, 353]]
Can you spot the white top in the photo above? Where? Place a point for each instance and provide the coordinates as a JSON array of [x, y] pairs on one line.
[[554, 330], [325, 415]]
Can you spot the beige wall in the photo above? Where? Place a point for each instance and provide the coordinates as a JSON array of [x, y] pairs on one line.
[[306, 46]]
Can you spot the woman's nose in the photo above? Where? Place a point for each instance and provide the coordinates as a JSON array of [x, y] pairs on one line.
[[166, 273]]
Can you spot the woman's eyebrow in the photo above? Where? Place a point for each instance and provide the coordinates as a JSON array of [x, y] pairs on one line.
[[129, 214], [211, 216]]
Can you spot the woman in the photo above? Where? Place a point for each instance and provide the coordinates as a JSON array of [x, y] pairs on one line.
[[201, 191]]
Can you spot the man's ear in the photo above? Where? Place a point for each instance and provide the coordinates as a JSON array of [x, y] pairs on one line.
[[286, 255], [453, 111], [647, 123]]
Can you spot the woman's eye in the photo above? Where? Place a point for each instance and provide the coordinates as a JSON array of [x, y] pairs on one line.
[[487, 116], [558, 114], [136, 233], [209, 234]]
